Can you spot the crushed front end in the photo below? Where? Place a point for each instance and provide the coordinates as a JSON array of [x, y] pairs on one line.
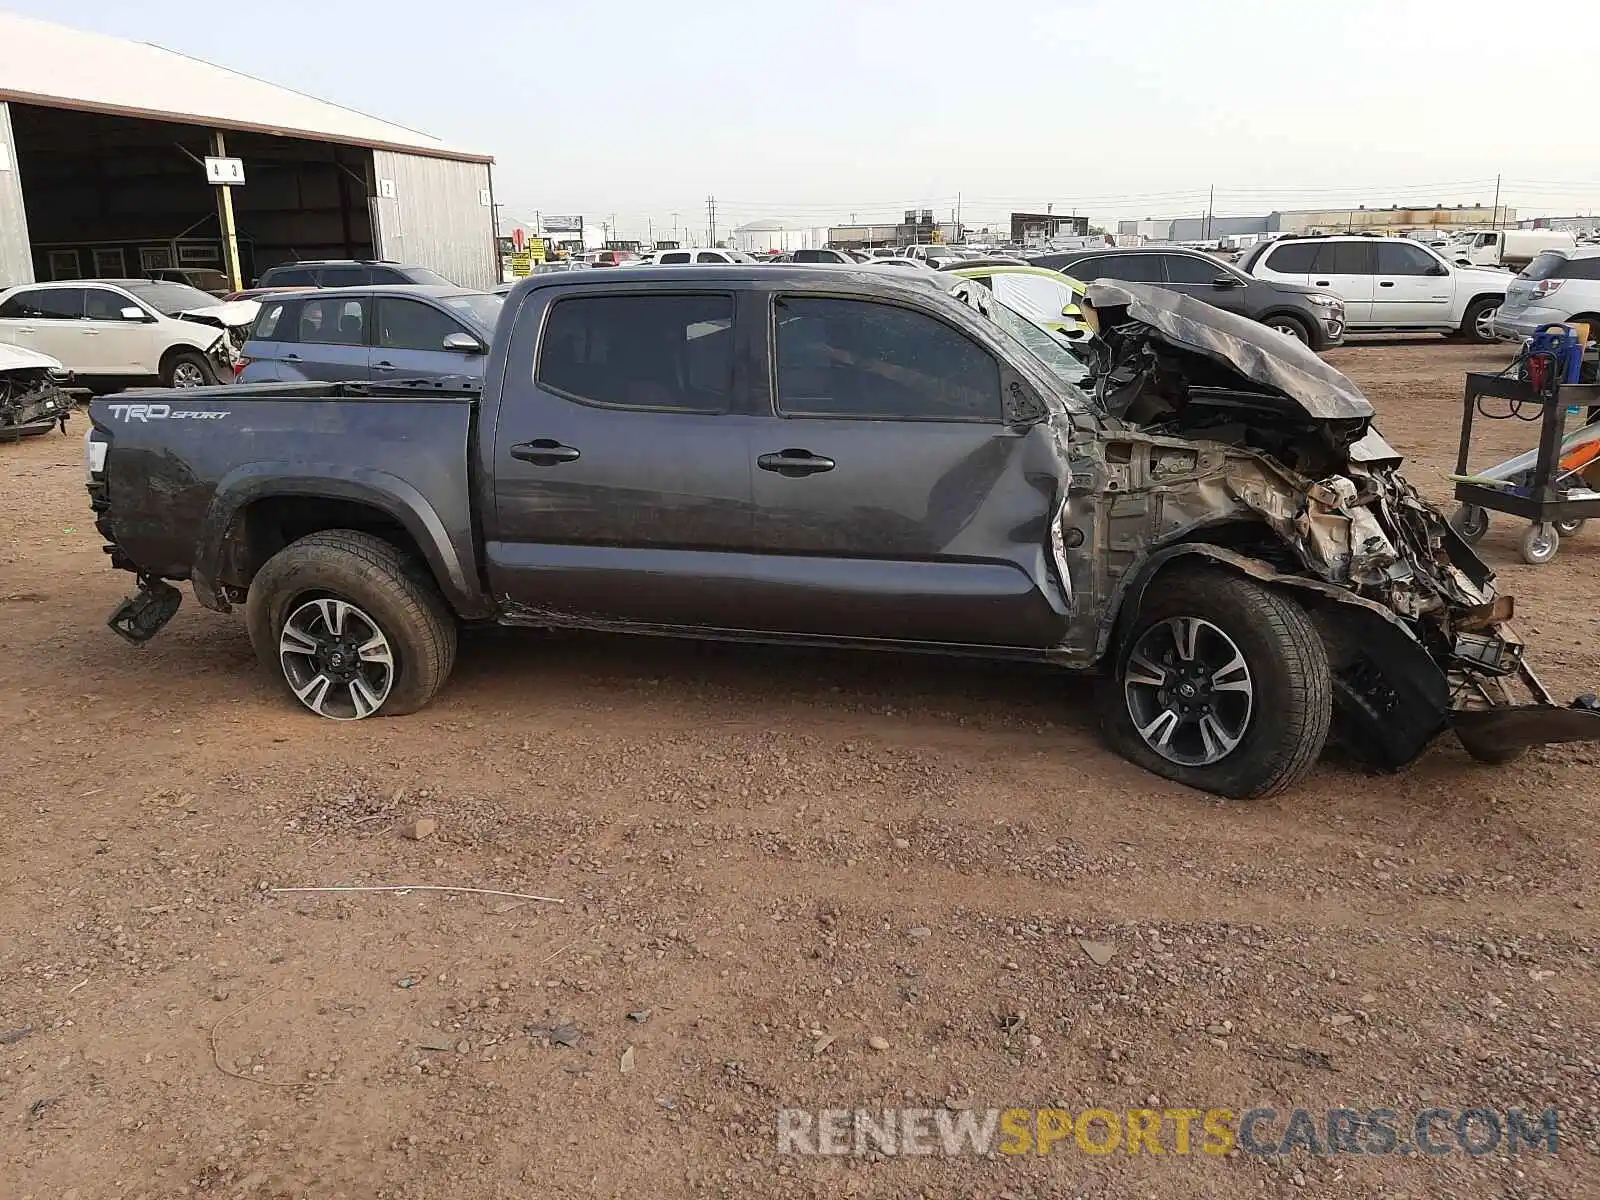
[[1241, 431], [33, 398]]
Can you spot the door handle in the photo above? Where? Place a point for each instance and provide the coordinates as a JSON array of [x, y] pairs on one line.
[[545, 452], [1386, 283], [1322, 283], [795, 463], [383, 366], [291, 358]]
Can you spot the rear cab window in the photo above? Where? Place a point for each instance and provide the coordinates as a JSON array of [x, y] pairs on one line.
[[862, 359], [656, 352]]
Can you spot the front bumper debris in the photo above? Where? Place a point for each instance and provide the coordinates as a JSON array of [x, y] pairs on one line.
[[1498, 732]]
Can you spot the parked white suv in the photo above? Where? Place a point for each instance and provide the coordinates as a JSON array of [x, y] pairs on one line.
[[710, 256], [933, 253], [1558, 287], [114, 332], [1387, 283]]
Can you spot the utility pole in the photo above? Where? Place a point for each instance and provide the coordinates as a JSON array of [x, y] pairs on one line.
[[1496, 213], [230, 235], [1211, 207], [958, 217], [711, 220]]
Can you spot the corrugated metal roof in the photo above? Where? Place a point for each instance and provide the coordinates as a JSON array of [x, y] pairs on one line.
[[42, 63]]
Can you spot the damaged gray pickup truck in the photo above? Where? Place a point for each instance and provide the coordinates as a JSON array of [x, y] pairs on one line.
[[1201, 516]]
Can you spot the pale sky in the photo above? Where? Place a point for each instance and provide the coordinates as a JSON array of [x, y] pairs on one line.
[[816, 109]]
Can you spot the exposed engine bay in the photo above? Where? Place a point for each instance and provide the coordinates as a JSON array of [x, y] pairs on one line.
[[32, 395], [1229, 440]]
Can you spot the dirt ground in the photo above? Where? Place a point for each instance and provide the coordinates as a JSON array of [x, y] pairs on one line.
[[759, 851]]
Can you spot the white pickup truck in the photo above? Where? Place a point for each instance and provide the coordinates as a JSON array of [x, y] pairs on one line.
[[1510, 248], [1387, 284]]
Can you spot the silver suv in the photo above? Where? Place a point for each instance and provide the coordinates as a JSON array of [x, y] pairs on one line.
[[1559, 286]]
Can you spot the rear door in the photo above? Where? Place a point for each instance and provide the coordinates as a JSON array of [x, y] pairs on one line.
[[410, 342], [1413, 287], [888, 493], [272, 339], [622, 462], [1346, 268], [50, 320], [331, 340]]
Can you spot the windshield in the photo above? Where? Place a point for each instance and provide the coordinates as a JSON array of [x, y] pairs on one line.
[[1043, 345], [1546, 266], [171, 298], [479, 307]]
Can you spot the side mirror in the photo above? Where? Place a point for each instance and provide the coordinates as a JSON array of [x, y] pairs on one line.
[[1441, 269], [131, 313], [463, 343], [1225, 281]]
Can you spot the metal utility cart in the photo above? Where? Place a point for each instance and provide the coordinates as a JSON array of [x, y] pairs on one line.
[[1555, 500]]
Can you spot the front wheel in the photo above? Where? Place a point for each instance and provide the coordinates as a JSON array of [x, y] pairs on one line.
[[351, 626], [1222, 685], [1539, 544], [187, 369], [1471, 522], [1290, 327]]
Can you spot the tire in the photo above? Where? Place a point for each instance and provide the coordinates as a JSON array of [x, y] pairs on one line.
[[1571, 528], [180, 368], [1291, 326], [1470, 523], [1289, 706], [383, 591], [1539, 544], [1474, 323]]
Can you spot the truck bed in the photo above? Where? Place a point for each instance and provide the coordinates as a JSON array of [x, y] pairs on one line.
[[187, 470]]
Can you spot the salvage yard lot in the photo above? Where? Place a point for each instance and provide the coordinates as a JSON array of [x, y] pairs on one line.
[[759, 850]]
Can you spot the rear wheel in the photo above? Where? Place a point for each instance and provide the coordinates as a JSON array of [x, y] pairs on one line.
[[1222, 685], [1470, 522], [1478, 323], [1572, 527], [187, 369], [351, 625], [1539, 544]]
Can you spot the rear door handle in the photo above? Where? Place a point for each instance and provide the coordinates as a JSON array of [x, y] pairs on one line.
[[1386, 283], [795, 463], [291, 357], [383, 366], [1322, 283], [544, 452]]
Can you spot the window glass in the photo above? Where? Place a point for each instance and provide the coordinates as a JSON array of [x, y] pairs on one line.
[[676, 256], [288, 277], [709, 256], [1131, 268], [268, 319], [1293, 258], [333, 320], [1191, 268], [1580, 268], [386, 275], [101, 305], [1547, 265], [655, 352], [855, 358], [47, 304], [350, 276], [412, 325], [1400, 258]]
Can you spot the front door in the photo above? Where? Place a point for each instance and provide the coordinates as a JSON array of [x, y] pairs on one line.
[[1198, 276], [410, 342], [622, 467], [889, 495], [1413, 287], [1345, 268], [120, 346]]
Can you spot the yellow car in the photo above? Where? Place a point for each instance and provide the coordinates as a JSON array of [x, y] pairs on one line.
[[1043, 296]]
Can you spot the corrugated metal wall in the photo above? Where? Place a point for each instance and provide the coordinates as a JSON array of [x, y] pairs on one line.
[[433, 212], [16, 258]]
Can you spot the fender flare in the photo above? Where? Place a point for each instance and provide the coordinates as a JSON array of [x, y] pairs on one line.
[[387, 493]]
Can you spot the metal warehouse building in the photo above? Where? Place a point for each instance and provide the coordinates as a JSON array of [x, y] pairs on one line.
[[103, 149]]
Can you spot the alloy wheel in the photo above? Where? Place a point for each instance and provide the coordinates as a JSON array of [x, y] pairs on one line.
[[1189, 691], [1484, 325], [337, 661], [1289, 329], [188, 375]]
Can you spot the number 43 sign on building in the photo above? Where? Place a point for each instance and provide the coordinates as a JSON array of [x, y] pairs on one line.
[[225, 171]]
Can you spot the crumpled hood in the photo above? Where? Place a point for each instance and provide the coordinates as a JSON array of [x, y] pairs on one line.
[[230, 314], [19, 358], [1259, 354]]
